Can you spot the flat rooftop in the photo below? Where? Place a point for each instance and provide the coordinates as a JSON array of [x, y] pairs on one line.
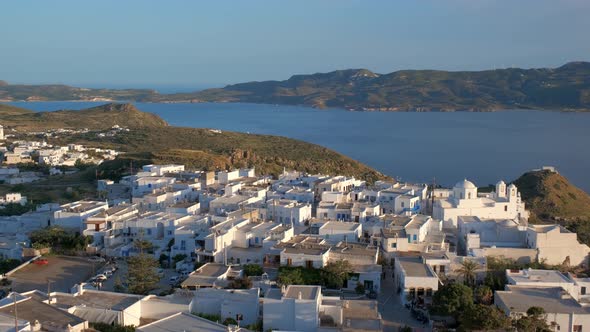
[[340, 226], [414, 267], [305, 292], [552, 299], [96, 299], [47, 315], [537, 276]]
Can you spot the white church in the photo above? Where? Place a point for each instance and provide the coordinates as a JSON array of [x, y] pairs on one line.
[[464, 200]]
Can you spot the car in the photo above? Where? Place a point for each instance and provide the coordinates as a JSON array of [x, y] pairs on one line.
[[41, 261], [96, 259], [108, 273], [100, 277], [174, 280]]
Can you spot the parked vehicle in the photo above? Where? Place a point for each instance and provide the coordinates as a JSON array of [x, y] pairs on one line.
[[174, 280], [96, 259], [41, 261], [100, 278]]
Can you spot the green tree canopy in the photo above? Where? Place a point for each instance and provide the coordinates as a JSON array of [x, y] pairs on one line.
[[451, 299], [534, 321], [142, 276], [483, 317], [467, 271]]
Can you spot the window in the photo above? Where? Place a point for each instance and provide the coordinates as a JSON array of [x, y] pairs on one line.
[[583, 291], [403, 204], [469, 195], [505, 208], [441, 269], [394, 245], [415, 237], [577, 328], [149, 231], [409, 239]]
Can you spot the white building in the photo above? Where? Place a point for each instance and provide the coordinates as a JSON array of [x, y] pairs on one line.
[[562, 311], [227, 303], [73, 215], [285, 211], [505, 203], [161, 170], [304, 308], [13, 198], [298, 309], [415, 278]]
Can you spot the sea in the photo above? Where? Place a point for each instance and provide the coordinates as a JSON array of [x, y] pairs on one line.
[[414, 147]]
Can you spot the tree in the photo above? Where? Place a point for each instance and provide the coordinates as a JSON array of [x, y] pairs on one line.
[[290, 277], [334, 274], [142, 275], [251, 270], [484, 295], [360, 288], [240, 283], [178, 258], [483, 317], [534, 321], [451, 299], [467, 270]]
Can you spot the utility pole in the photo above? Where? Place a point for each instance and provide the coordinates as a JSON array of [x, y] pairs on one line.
[[15, 313], [432, 195]]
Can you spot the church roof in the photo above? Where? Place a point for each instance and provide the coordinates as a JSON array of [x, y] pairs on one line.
[[465, 184]]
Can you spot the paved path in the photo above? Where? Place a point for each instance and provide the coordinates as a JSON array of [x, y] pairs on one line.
[[394, 314]]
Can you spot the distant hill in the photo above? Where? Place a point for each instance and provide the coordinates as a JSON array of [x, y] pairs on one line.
[[15, 92], [100, 117], [563, 88], [152, 140], [566, 87]]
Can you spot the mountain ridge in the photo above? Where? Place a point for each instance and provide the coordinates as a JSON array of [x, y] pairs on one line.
[[563, 88]]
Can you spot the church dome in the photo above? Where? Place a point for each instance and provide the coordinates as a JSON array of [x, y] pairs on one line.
[[465, 184]]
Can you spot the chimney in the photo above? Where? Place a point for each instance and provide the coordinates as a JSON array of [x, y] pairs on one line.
[[299, 296]]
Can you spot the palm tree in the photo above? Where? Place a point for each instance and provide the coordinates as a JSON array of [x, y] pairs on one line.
[[467, 271]]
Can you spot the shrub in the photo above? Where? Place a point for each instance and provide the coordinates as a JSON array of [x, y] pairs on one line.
[[251, 270]]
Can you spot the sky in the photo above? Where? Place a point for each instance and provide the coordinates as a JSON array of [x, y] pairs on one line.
[[176, 43]]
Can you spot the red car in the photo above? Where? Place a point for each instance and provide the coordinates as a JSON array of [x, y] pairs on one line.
[[41, 261]]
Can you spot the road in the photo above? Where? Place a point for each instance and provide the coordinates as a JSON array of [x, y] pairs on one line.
[[394, 314]]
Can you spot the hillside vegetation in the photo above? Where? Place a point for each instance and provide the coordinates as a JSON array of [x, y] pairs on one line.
[[150, 139], [551, 198], [563, 88], [100, 117]]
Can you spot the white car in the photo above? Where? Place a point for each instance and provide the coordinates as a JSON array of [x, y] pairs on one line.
[[174, 280], [96, 259], [100, 278]]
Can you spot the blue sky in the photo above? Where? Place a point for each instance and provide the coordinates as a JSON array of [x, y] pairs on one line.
[[200, 43]]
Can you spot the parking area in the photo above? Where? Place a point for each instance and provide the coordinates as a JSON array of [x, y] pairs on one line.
[[60, 273], [121, 276]]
